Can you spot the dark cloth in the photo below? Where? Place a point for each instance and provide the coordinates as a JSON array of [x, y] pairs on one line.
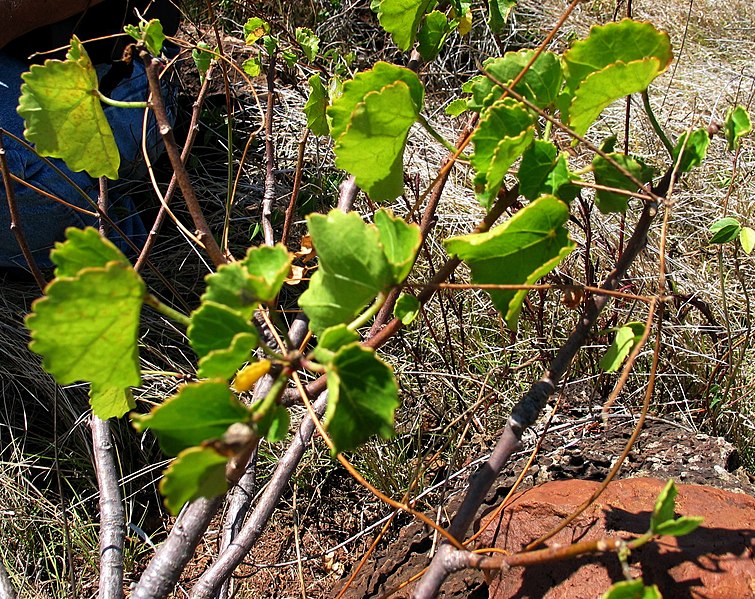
[[104, 19]]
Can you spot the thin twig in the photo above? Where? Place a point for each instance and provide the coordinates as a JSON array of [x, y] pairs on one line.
[[172, 186], [268, 196], [15, 220], [526, 412], [295, 189], [112, 514], [227, 561], [204, 234]]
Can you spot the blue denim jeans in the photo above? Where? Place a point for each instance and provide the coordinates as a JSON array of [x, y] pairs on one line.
[[44, 220]]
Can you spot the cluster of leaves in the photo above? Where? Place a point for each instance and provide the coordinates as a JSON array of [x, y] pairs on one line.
[[86, 327]]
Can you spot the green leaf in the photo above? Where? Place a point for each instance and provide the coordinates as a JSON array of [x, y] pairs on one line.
[[353, 269], [695, 149], [401, 242], [433, 34], [457, 107], [267, 267], [664, 506], [506, 129], [540, 84], [537, 163], [747, 239], [254, 29], [196, 472], [354, 91], [150, 33], [252, 66], [202, 58], [725, 230], [231, 287], [626, 338], [372, 147], [363, 396], [331, 340], [270, 44], [84, 248], [308, 41], [604, 87], [86, 329], [608, 175], [197, 413], [518, 252], [406, 309], [316, 105], [679, 527], [110, 402], [274, 424], [400, 18], [214, 326], [223, 363], [625, 41], [736, 125], [631, 589], [63, 115], [499, 11], [257, 278]]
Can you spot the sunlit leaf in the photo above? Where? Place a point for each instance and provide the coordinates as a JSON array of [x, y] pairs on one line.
[[619, 42], [664, 506], [363, 395], [695, 147], [150, 33], [433, 34], [63, 115], [631, 589], [506, 129], [747, 239], [110, 402], [354, 92], [604, 87], [202, 58], [540, 84], [406, 309], [84, 248], [372, 147], [626, 338], [86, 329], [196, 472], [615, 60], [331, 340], [400, 18], [224, 362], [254, 29], [252, 66], [679, 527], [518, 252], [736, 125], [308, 41], [353, 269], [401, 242], [198, 412], [214, 326]]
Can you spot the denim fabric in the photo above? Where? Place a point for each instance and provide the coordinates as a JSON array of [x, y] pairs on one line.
[[43, 220]]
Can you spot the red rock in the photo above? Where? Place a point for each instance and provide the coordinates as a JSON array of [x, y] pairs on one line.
[[716, 561]]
